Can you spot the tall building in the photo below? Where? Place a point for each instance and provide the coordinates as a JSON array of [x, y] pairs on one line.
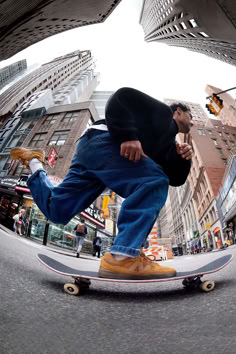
[[207, 27], [24, 23], [100, 98], [213, 145], [53, 75], [68, 79], [228, 113], [9, 72]]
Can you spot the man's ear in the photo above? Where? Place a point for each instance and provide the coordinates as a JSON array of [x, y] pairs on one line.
[[179, 110]]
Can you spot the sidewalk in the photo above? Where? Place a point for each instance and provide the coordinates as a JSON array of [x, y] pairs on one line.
[[51, 248]]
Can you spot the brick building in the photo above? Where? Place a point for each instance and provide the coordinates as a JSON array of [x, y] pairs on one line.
[[213, 145]]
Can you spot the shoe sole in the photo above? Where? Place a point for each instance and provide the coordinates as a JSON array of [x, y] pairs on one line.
[[111, 275], [15, 153]]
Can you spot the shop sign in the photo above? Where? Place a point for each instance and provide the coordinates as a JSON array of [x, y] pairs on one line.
[[22, 184], [55, 180], [94, 214], [52, 157], [9, 182], [208, 225]]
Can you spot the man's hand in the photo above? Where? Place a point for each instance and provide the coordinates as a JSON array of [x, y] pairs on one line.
[[185, 150], [132, 150]]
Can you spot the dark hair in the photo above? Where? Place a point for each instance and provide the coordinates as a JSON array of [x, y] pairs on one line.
[[184, 108]]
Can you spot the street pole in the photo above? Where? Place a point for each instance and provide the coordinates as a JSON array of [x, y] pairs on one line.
[[45, 236], [218, 93]]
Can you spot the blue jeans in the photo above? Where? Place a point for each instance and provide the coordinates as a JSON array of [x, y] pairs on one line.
[[97, 164], [79, 243]]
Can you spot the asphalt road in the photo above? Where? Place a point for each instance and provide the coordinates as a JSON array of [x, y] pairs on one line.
[[36, 316]]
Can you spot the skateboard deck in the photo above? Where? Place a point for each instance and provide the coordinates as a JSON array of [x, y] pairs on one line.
[[191, 279], [82, 279]]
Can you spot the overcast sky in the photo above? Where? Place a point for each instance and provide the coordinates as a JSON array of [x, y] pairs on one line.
[[125, 59]]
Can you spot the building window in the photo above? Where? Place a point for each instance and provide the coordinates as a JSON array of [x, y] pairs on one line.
[[201, 132], [58, 138], [192, 35], [14, 142], [215, 141], [220, 152], [27, 125], [70, 117], [21, 170], [5, 162], [183, 25], [37, 140], [226, 143], [49, 120], [193, 23], [203, 34]]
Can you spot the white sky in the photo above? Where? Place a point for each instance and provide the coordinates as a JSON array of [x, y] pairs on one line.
[[125, 59]]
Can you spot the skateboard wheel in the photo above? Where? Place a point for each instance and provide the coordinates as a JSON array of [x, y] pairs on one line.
[[71, 289], [207, 285]]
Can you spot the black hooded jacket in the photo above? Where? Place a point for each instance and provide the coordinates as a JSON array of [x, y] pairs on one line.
[[133, 115]]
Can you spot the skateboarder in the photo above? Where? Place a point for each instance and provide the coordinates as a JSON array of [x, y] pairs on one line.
[[134, 153]]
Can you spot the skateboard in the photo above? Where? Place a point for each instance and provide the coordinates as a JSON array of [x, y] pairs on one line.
[[82, 279]]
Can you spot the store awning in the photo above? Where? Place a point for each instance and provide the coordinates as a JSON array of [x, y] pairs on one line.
[[216, 229]]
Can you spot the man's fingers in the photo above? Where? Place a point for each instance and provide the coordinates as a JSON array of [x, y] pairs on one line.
[[143, 155], [132, 154]]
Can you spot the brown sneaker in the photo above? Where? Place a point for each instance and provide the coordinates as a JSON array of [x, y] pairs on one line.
[[25, 155], [133, 268]]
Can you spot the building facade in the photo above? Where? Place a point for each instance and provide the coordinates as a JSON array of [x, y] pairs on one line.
[[9, 72], [100, 99], [207, 27], [213, 146], [58, 129], [226, 202], [24, 23], [53, 75]]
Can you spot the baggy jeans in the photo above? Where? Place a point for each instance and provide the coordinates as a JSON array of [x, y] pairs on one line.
[[97, 164]]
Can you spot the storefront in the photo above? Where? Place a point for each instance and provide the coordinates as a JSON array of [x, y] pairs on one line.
[[16, 195], [10, 200], [226, 204]]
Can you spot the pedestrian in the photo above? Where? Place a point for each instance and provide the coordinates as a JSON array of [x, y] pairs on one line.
[[80, 232], [97, 245], [134, 153], [19, 222]]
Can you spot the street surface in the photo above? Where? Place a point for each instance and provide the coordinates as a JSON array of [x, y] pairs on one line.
[[36, 316]]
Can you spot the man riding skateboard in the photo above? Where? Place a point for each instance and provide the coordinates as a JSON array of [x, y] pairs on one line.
[[134, 153]]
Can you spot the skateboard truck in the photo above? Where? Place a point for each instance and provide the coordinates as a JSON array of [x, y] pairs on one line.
[[196, 283], [78, 285]]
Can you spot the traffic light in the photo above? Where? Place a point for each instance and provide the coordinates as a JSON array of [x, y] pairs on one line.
[[211, 109], [216, 104], [218, 101]]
